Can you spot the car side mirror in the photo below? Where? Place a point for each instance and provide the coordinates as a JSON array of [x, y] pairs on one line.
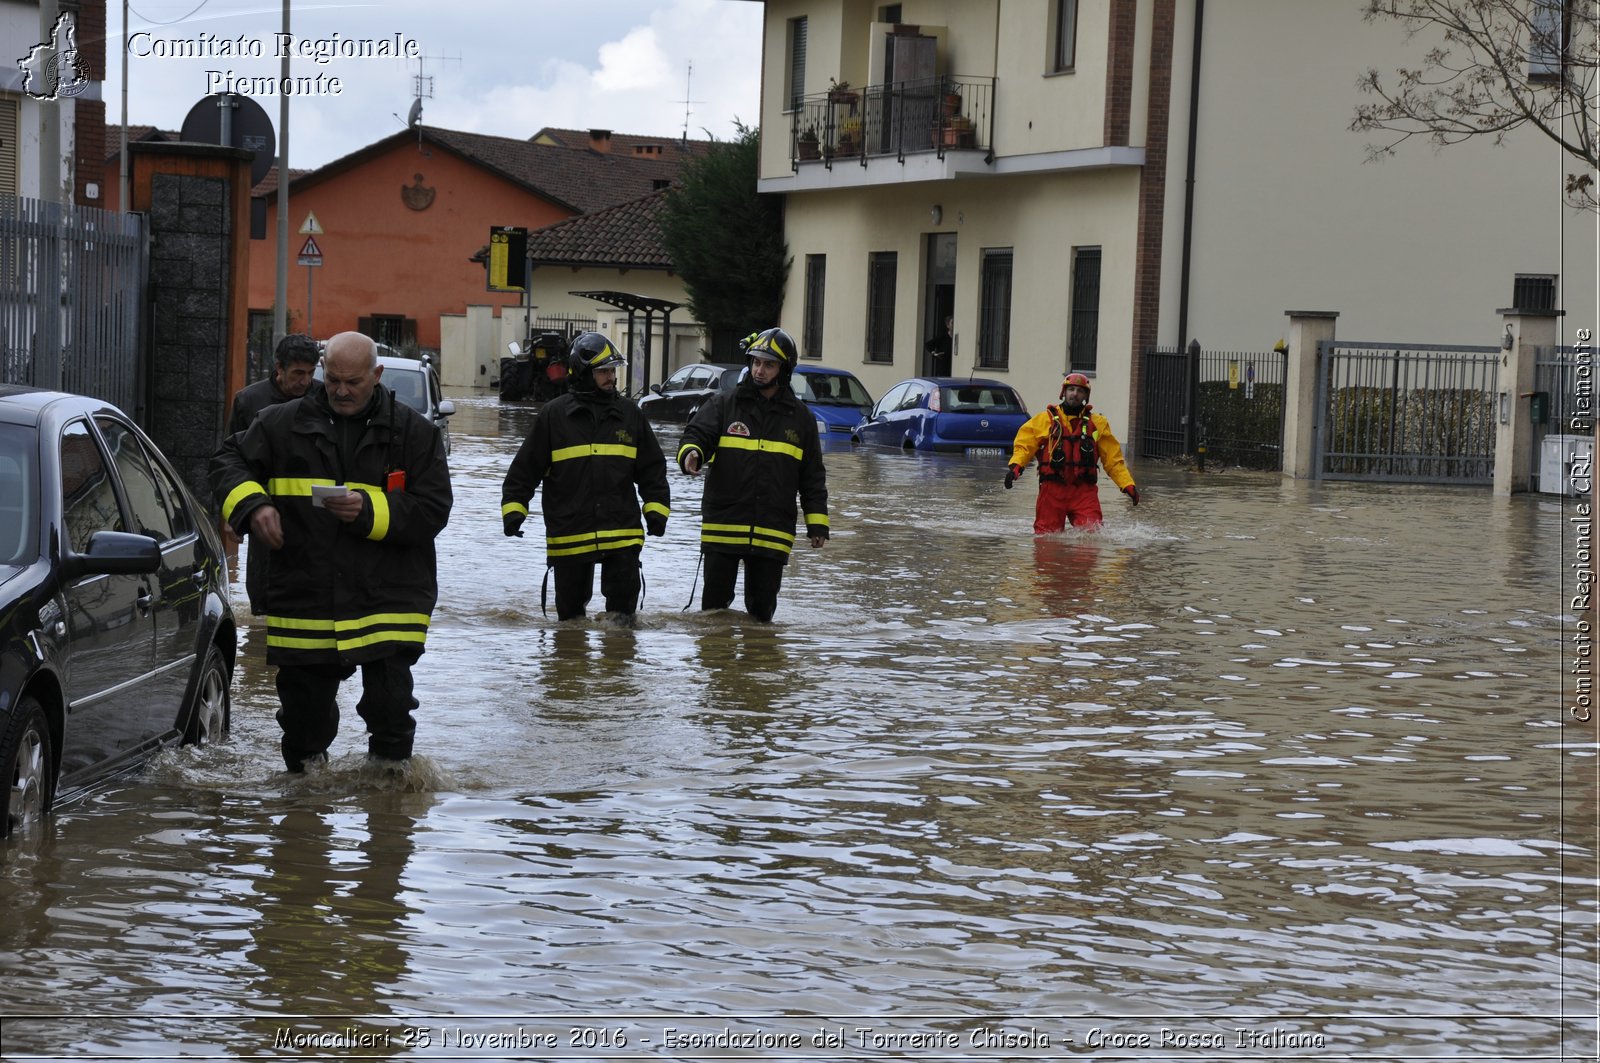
[[655, 389], [446, 408], [114, 553], [515, 348]]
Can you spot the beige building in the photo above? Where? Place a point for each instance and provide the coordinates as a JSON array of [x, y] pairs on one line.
[[1024, 165]]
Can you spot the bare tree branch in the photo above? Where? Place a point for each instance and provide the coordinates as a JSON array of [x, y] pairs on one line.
[[1492, 67]]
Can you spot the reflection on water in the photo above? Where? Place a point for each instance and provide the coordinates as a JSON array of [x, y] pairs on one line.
[[1263, 756]]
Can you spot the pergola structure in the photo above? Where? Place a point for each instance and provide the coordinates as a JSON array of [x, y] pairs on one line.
[[647, 305]]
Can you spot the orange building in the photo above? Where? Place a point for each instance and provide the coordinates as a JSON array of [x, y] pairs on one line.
[[401, 219]]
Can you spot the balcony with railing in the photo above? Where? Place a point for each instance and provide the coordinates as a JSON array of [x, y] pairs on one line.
[[932, 115]]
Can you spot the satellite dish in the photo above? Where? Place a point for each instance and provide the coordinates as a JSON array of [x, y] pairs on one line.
[[248, 128], [415, 117]]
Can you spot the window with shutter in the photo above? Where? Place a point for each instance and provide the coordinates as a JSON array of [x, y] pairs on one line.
[[797, 61]]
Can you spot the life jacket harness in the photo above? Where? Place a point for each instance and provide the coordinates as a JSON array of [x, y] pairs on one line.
[[1071, 456]]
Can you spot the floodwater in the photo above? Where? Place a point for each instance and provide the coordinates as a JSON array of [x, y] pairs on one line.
[[1265, 770]]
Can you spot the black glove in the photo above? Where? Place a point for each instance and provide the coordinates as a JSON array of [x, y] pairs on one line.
[[513, 522], [1013, 474], [655, 524], [1132, 491]]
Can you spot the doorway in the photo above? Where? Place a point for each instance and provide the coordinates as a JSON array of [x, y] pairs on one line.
[[939, 306]]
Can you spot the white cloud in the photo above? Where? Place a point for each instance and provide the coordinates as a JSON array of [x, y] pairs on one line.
[[495, 67]]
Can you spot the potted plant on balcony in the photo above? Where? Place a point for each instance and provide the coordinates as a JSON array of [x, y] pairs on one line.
[[840, 92], [850, 136], [958, 133], [808, 145]]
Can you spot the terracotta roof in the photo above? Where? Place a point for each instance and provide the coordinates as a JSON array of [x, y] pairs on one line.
[[584, 181], [625, 236], [625, 144], [268, 185]]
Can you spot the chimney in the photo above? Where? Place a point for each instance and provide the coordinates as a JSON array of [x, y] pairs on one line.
[[600, 140]]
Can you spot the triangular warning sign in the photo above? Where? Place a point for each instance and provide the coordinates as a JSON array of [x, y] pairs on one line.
[[311, 225], [311, 250]]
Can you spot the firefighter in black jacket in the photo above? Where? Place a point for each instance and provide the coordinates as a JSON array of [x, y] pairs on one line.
[[759, 445], [294, 364], [354, 579], [590, 448]]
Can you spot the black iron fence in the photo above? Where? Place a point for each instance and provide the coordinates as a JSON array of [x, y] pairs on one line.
[[946, 113], [1234, 399], [72, 284]]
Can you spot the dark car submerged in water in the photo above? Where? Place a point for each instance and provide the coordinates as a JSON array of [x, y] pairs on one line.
[[116, 635]]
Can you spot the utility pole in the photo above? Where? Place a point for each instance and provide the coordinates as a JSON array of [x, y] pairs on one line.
[[280, 314]]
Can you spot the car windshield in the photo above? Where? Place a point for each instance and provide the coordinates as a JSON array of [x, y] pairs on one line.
[[408, 386], [826, 389], [979, 398], [19, 495]]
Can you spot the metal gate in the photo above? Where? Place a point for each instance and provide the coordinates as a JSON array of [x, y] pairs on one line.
[[1563, 385], [72, 289], [1406, 412], [1235, 397]]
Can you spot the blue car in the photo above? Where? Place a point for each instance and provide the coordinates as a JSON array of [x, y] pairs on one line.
[[836, 397], [945, 413]]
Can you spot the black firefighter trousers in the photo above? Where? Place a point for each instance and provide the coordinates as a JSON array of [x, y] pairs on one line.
[[762, 578], [309, 706], [619, 582]]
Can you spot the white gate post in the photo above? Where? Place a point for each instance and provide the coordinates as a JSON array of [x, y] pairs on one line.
[[1307, 328], [1524, 330]]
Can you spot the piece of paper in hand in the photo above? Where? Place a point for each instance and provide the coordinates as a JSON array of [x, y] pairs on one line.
[[320, 493]]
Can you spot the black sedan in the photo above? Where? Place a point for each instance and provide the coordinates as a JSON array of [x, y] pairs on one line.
[[682, 394], [116, 634]]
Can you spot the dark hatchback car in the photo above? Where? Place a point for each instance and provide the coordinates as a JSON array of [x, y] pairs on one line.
[[681, 395], [116, 634]]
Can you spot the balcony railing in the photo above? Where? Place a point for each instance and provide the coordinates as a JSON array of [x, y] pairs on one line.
[[946, 113]]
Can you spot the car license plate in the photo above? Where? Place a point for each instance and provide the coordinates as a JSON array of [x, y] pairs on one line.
[[987, 452]]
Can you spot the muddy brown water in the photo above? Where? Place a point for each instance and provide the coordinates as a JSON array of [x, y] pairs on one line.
[[1265, 770]]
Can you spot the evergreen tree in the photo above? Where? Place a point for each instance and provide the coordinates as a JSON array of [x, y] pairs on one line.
[[726, 242]]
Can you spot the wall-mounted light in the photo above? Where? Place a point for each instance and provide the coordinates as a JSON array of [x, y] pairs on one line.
[[1508, 339], [936, 215]]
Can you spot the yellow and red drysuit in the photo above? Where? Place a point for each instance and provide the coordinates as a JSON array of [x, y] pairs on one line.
[[1069, 446]]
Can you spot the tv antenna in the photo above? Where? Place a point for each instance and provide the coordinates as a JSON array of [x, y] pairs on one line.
[[686, 101]]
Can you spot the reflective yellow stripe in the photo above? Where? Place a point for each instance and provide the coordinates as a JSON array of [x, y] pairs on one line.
[[292, 487], [285, 632], [590, 542], [818, 518], [513, 507], [594, 450], [239, 494], [773, 533], [748, 535], [657, 507], [380, 510], [685, 449], [771, 446]]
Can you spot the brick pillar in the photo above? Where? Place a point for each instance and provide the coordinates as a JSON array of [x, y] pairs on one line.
[[1307, 328], [198, 200]]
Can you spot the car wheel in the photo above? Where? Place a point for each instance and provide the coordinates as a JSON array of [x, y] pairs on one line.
[[211, 714], [30, 768]]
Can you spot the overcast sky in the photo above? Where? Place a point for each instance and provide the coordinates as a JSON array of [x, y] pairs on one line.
[[503, 67]]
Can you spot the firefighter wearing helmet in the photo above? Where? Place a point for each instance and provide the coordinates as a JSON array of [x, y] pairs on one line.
[[592, 450], [759, 447], [1069, 440]]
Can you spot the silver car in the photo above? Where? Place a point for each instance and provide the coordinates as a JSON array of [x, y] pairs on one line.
[[415, 382]]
